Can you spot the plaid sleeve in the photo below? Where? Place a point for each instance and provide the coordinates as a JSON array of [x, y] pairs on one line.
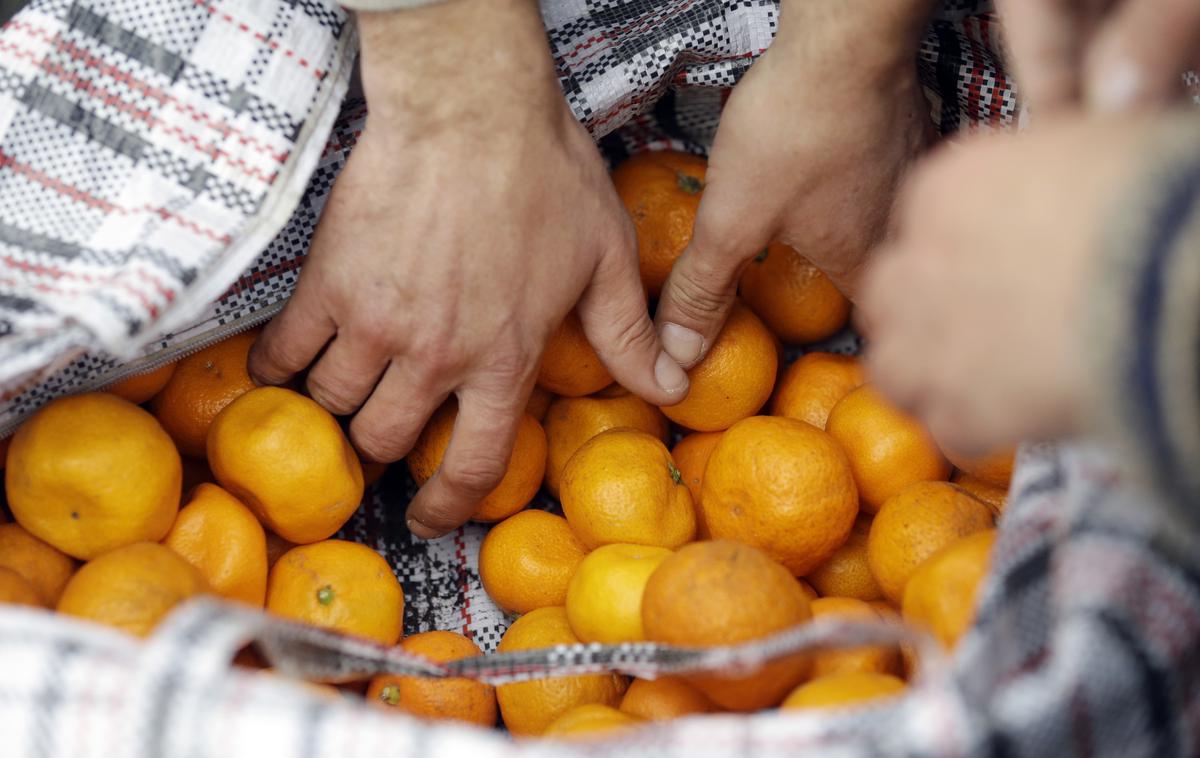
[[1144, 325]]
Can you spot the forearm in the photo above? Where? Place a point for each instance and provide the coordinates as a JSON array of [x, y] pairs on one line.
[[461, 62], [872, 32], [1145, 319]]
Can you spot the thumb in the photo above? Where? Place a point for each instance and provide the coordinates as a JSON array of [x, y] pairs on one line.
[[617, 323], [1140, 54], [703, 284], [1045, 38]]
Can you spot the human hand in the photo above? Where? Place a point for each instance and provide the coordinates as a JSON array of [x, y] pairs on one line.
[[1106, 55], [471, 217], [811, 147], [976, 314]]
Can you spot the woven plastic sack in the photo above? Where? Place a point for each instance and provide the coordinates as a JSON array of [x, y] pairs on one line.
[[1072, 652]]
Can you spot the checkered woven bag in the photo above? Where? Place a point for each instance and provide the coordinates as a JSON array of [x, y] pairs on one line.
[[162, 167]]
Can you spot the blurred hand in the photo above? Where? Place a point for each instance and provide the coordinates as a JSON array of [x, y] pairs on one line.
[[812, 144], [1107, 54], [471, 217], [975, 310]]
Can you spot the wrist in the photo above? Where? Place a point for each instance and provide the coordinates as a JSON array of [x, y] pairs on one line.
[[461, 62], [871, 36]]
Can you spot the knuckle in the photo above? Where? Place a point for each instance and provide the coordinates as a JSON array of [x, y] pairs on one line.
[[372, 338], [332, 395], [512, 364], [376, 445], [699, 294], [478, 476], [434, 359], [633, 333], [440, 518], [276, 356]]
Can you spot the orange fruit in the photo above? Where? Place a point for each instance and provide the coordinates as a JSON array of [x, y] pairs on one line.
[[569, 364], [287, 459], [91, 473], [993, 468], [538, 403], [723, 593], [995, 497], [882, 659], [589, 720], [661, 191], [572, 421], [612, 390], [196, 472], [691, 457], [527, 560], [622, 486], [372, 471], [17, 590], [139, 388], [526, 464], [604, 598], [942, 592], [888, 449], [220, 537], [338, 585], [665, 698], [915, 524], [784, 487], [276, 547], [840, 690], [454, 698], [807, 589], [846, 573], [813, 384], [202, 385], [734, 380], [792, 296], [131, 588], [43, 566], [529, 707]]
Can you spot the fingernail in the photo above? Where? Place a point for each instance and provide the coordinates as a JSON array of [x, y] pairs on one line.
[[681, 343], [1117, 86], [422, 532], [670, 377]]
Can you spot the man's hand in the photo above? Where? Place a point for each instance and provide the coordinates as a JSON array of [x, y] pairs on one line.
[[471, 217], [812, 144], [976, 319], [1107, 55]]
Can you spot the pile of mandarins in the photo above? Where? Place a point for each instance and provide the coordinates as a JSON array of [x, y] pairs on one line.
[[790, 495]]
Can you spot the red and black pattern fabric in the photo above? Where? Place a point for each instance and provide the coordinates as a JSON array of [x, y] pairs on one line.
[[144, 148]]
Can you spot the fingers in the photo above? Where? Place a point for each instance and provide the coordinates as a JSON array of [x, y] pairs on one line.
[[1140, 53], [388, 425], [887, 358], [1046, 38], [475, 462], [617, 323], [345, 375], [697, 296], [291, 340]]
